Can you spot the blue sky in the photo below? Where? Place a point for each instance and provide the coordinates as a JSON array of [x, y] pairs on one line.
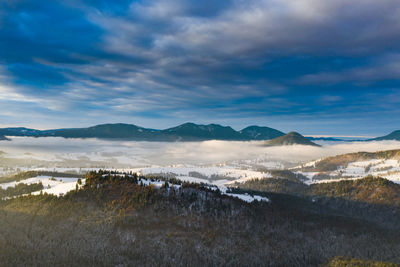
[[319, 67]]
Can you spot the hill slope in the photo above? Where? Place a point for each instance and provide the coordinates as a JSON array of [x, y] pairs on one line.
[[392, 136], [113, 220], [117, 130], [291, 138], [190, 131], [384, 164], [260, 133]]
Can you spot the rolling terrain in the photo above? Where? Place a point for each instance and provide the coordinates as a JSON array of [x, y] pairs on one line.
[[354, 165], [117, 218]]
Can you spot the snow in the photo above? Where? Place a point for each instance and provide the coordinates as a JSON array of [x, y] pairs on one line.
[[218, 175], [52, 185], [248, 198], [385, 168]]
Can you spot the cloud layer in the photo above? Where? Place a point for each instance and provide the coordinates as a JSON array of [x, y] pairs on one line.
[[93, 152], [330, 65]]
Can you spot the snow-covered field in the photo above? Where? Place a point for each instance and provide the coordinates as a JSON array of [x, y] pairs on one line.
[[385, 168], [59, 186], [219, 163], [52, 185]]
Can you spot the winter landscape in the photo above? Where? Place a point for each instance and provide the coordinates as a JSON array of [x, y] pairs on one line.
[[132, 181], [200, 133]]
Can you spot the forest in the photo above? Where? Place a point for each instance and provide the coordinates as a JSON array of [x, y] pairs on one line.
[[115, 219]]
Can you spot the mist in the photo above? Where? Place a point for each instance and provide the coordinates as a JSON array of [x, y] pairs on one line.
[[138, 154]]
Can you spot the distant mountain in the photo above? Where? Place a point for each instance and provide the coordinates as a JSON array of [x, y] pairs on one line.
[[291, 138], [392, 136], [260, 133], [19, 131], [190, 131], [323, 139], [184, 132], [109, 131], [3, 138]]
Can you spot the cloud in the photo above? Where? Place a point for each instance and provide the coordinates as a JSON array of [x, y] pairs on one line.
[[386, 67], [59, 151], [190, 60]]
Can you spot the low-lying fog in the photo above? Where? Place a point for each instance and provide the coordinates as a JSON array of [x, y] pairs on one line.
[[104, 153]]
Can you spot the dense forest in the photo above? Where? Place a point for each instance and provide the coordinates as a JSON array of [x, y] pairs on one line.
[[115, 219]]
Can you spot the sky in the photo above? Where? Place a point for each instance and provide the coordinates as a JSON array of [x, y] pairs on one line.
[[318, 67]]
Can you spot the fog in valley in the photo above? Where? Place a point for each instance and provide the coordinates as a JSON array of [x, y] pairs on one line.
[[59, 152]]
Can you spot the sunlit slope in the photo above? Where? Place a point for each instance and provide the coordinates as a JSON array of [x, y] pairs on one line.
[[355, 165]]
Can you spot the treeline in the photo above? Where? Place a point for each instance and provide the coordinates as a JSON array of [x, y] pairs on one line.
[[20, 189], [374, 190]]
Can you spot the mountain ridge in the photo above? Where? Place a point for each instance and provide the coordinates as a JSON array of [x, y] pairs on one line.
[[184, 132], [395, 135], [292, 138]]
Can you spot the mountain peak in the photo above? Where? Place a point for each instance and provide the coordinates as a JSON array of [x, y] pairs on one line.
[[261, 133], [292, 138], [395, 135]]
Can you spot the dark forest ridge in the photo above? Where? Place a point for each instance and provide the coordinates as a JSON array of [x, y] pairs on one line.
[[395, 135], [292, 138], [184, 132]]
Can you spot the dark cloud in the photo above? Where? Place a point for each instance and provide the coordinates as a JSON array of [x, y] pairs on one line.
[[168, 61]]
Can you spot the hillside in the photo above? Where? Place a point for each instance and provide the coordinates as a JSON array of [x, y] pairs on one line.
[[292, 138], [369, 189], [109, 131], [373, 190], [113, 220], [385, 164], [260, 133], [395, 135], [184, 132], [191, 131]]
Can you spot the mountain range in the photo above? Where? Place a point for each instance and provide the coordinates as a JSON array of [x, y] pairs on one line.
[[184, 132]]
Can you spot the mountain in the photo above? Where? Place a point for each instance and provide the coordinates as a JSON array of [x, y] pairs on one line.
[[292, 138], [3, 138], [392, 136], [323, 139], [260, 133], [19, 131], [190, 131], [108, 131], [184, 132]]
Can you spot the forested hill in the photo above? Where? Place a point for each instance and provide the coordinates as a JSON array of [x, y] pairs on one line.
[[292, 138], [184, 132], [395, 135], [117, 219]]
